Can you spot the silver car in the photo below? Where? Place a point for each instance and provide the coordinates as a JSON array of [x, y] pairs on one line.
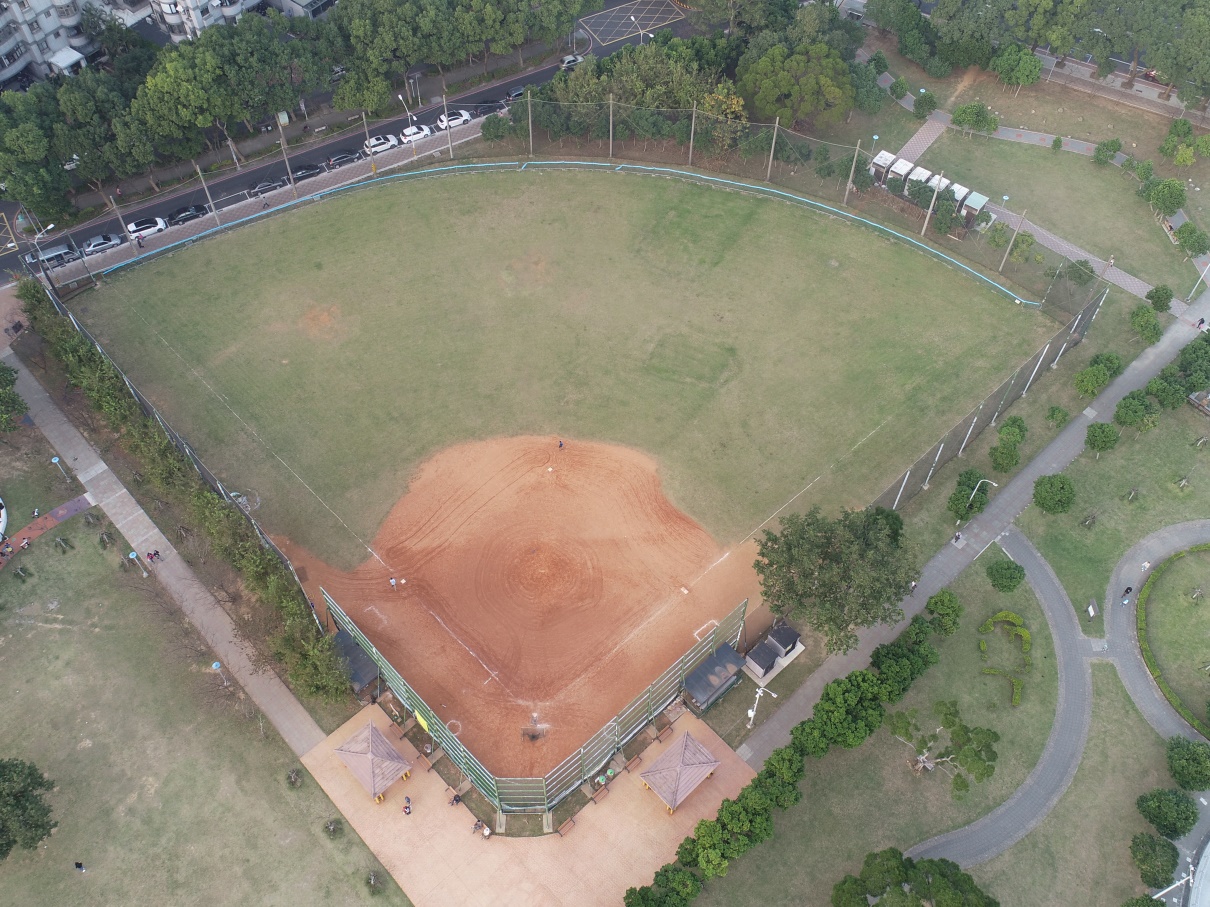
[[102, 243]]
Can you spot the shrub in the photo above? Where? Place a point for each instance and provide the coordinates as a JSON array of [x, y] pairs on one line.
[[1056, 144], [1160, 297], [1112, 363], [1156, 859], [946, 612], [1004, 457], [849, 892], [983, 649], [1005, 575], [1101, 436], [1172, 812], [898, 88], [894, 185], [1144, 320], [1057, 416], [1106, 150], [970, 496], [1189, 763], [1023, 634], [1017, 424], [1054, 494], [878, 61], [1092, 380], [1134, 408], [1001, 617], [495, 128]]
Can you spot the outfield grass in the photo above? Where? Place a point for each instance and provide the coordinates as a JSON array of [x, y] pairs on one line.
[[166, 788], [1094, 207], [866, 799], [1153, 463], [753, 347], [1177, 628], [1080, 854]]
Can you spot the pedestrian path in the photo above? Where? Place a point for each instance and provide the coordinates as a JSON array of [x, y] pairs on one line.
[[105, 490], [42, 523], [980, 533], [928, 133]]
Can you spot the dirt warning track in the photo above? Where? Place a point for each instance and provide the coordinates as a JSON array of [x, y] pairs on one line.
[[539, 587]]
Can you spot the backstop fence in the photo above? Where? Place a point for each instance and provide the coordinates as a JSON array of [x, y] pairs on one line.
[[541, 794], [988, 412]]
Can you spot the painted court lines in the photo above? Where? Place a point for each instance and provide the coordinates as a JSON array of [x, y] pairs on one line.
[[627, 20]]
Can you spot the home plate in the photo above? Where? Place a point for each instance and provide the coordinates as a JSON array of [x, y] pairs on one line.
[[684, 590], [550, 469]]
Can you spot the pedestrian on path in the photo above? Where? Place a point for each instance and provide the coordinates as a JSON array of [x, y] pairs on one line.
[[24, 544], [139, 240], [407, 806], [1201, 323], [156, 554], [80, 867], [1146, 566], [394, 585]]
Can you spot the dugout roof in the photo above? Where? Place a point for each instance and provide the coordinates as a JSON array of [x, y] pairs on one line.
[[678, 772], [373, 760], [362, 670], [713, 677]]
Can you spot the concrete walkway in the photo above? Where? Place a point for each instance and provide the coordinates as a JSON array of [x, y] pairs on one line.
[[953, 558], [104, 490]]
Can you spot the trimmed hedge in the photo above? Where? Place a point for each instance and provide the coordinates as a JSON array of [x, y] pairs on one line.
[[1149, 656]]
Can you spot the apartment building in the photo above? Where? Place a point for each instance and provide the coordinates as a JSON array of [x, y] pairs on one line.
[[183, 19], [41, 38]]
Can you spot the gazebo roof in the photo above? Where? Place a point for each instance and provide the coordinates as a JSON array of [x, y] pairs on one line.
[[678, 772], [373, 760]]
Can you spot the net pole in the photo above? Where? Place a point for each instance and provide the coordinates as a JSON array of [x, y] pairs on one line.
[[772, 148], [529, 110], [693, 130], [611, 125], [852, 172]]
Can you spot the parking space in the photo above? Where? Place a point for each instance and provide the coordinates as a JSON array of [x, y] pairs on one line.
[[630, 19]]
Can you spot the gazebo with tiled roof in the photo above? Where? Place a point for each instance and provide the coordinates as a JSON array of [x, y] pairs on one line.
[[678, 772]]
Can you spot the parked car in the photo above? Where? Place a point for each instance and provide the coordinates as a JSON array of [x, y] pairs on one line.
[[515, 94], [457, 118], [342, 157], [414, 134], [490, 107], [267, 185], [306, 171], [186, 214], [146, 226], [52, 256], [102, 243], [380, 143], [570, 62]]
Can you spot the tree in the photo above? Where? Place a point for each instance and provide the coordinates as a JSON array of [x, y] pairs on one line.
[[1056, 144], [1183, 157], [924, 104], [1105, 151], [1111, 362], [1156, 859], [812, 83], [1134, 408], [1005, 457], [1080, 272], [946, 612], [1172, 812], [1091, 381], [970, 497], [898, 88], [1160, 297], [24, 815], [1193, 241], [1005, 575], [1144, 320], [1166, 197], [1054, 494], [999, 235], [1101, 437], [842, 574], [1022, 247], [868, 94], [975, 117], [1016, 65], [850, 892], [12, 407], [1057, 416], [1189, 763]]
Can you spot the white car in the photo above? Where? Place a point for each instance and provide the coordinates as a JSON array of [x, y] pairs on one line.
[[457, 118], [380, 143], [102, 243], [414, 134], [570, 62], [147, 226]]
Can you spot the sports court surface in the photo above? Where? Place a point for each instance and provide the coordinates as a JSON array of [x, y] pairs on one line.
[[629, 19], [545, 587]]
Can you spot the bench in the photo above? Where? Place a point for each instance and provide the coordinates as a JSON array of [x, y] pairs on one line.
[[566, 827], [664, 734], [633, 763], [600, 793], [423, 761]]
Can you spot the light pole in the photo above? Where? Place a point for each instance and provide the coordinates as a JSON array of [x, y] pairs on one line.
[[636, 25], [411, 119], [138, 563], [59, 463], [872, 147], [1200, 278], [760, 691], [218, 666], [975, 492]]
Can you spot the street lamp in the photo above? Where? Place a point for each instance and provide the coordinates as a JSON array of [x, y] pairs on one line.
[[760, 691], [976, 491], [41, 233], [406, 110], [636, 25], [218, 666]]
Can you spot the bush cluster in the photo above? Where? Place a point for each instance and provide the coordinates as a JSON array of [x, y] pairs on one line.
[[309, 657], [1005, 575], [888, 876], [1006, 455]]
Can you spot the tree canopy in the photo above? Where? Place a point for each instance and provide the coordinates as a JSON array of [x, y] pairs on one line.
[[812, 82], [24, 815]]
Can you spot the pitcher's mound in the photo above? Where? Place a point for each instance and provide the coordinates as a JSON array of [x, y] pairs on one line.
[[543, 590]]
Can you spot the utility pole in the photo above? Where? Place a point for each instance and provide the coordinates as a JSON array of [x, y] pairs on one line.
[[852, 170], [932, 204], [121, 223], [206, 189], [1200, 278], [611, 125], [772, 148], [366, 127], [1011, 241], [692, 130], [449, 130], [290, 176], [529, 110]]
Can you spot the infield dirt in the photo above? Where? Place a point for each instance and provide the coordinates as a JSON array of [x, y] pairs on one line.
[[540, 588]]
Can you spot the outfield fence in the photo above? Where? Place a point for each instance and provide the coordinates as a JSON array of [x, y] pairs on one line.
[[542, 794], [919, 475]]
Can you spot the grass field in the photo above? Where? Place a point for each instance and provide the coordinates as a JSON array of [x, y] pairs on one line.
[[1094, 207], [1177, 627], [753, 347], [166, 788], [1080, 854], [867, 798], [1153, 463]]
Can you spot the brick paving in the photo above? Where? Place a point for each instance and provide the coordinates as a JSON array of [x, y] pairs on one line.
[[42, 523], [929, 132]]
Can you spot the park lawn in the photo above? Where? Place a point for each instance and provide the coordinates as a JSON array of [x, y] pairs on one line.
[[893, 125], [867, 798], [166, 787], [1080, 853], [1093, 207], [315, 360], [1177, 627], [1084, 558], [931, 525]]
